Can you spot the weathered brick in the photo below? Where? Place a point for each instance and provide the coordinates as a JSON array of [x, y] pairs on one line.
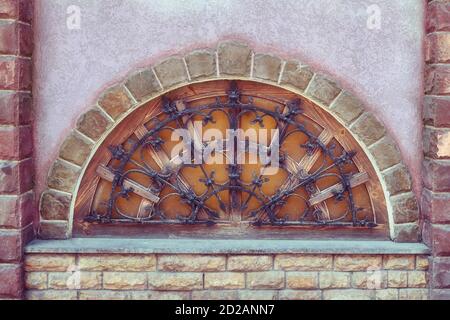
[[405, 208], [11, 280], [436, 206], [36, 280], [417, 279], [175, 281], [249, 263], [437, 79], [143, 84], [124, 280], [437, 47], [16, 211], [368, 128], [215, 295], [201, 64], [15, 108], [441, 239], [334, 280], [436, 143], [171, 71], [234, 58], [413, 294], [265, 280], [294, 262], [386, 294], [49, 262], [15, 73], [75, 280], [441, 273], [9, 9], [406, 232], [183, 262], [93, 124], [357, 262], [15, 38], [117, 262], [299, 295], [348, 294], [160, 295], [385, 153], [439, 294], [105, 295], [398, 262], [369, 280], [397, 279], [15, 142], [63, 176], [397, 180], [115, 101], [55, 205], [323, 89], [75, 149], [296, 75], [422, 263], [11, 245], [347, 107], [436, 111], [16, 176], [51, 295], [53, 229], [302, 280], [438, 16], [436, 175], [224, 280], [266, 67], [258, 295]]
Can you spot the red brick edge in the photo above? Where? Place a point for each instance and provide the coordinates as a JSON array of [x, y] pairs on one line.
[[16, 144], [436, 166]]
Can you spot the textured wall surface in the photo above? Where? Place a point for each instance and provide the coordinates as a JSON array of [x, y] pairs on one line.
[[383, 66], [267, 277]]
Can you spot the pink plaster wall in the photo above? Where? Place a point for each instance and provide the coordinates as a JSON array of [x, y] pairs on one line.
[[383, 67]]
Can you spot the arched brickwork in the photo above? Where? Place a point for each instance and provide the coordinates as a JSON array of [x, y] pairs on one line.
[[230, 60]]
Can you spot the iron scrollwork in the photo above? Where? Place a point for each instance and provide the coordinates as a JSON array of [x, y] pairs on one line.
[[234, 107]]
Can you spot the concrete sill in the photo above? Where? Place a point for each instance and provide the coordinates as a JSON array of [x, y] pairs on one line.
[[205, 246]]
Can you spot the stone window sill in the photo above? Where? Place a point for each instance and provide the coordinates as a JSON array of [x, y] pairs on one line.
[[202, 246]]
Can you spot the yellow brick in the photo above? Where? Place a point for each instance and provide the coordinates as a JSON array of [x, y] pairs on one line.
[[215, 295], [397, 279], [117, 262], [386, 294], [124, 280], [249, 263], [265, 280], [224, 280], [51, 295], [300, 295], [348, 294], [258, 295], [302, 280], [413, 294], [396, 262], [369, 280], [175, 281], [75, 280], [184, 262], [293, 262], [334, 280], [422, 263], [105, 295], [417, 279], [49, 262], [160, 295], [357, 262], [36, 280]]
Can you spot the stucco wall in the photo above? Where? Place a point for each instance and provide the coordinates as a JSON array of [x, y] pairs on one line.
[[383, 66]]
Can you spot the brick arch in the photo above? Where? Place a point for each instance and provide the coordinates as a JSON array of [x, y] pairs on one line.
[[230, 60]]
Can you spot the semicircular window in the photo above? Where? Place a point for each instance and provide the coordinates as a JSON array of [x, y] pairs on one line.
[[231, 159]]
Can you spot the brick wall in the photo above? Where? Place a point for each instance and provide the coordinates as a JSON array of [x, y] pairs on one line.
[[436, 195], [16, 144], [283, 276]]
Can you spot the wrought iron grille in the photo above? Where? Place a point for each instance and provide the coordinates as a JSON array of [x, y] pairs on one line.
[[241, 193]]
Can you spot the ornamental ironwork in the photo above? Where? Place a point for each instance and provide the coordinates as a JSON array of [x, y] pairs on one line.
[[244, 195]]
